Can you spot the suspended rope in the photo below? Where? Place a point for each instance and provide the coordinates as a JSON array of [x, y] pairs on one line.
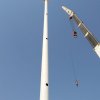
[[73, 52], [74, 70], [74, 32]]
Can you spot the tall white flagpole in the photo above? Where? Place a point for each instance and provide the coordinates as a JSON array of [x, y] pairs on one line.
[[44, 85]]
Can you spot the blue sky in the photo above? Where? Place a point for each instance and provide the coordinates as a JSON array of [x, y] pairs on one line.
[[21, 28]]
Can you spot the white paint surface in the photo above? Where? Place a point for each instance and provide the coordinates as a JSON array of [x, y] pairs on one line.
[[44, 89]]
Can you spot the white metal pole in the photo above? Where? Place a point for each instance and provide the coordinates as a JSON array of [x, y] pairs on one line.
[[44, 85]]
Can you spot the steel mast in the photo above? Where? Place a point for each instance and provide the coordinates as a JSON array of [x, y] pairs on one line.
[[44, 85], [87, 34]]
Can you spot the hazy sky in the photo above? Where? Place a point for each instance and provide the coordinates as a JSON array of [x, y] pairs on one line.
[[21, 28]]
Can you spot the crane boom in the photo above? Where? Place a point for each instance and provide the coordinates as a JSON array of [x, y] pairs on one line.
[[87, 34]]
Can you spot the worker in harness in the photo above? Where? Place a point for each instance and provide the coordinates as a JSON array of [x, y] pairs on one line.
[[75, 34], [77, 83]]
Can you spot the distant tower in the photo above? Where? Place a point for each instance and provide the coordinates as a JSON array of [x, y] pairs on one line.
[[44, 85]]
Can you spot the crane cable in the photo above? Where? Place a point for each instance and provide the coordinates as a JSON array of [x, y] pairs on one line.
[[74, 65], [73, 58], [74, 32]]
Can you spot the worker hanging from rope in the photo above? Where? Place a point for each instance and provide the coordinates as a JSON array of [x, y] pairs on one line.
[[74, 33], [77, 83]]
